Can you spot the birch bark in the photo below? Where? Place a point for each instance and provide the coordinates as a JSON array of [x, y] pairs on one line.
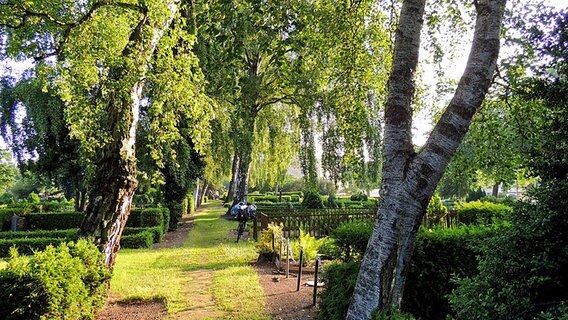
[[114, 184], [410, 178]]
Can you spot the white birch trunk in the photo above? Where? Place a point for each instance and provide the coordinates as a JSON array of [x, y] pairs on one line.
[[409, 179]]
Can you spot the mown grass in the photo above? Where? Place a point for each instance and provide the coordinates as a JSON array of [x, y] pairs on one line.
[[169, 273]]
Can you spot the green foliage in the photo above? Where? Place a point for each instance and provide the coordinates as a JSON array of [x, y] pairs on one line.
[[359, 196], [392, 314], [478, 212], [310, 245], [7, 198], [157, 232], [67, 234], [140, 240], [436, 210], [264, 244], [351, 239], [8, 171], [33, 198], [152, 217], [134, 219], [522, 271], [54, 220], [27, 246], [331, 202], [475, 195], [312, 200], [67, 282], [339, 279]]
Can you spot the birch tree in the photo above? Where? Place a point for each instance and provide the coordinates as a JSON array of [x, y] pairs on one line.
[[409, 178]]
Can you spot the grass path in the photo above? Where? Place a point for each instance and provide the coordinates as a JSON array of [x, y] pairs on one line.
[[209, 277]]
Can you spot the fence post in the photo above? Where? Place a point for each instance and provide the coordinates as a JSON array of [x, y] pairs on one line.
[[287, 257], [316, 280], [255, 229], [300, 268]]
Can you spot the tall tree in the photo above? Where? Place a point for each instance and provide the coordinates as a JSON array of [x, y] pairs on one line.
[[103, 50], [410, 178]]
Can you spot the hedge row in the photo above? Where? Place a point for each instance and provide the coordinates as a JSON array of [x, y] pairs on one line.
[[54, 220], [156, 232], [140, 240], [479, 212], [440, 255], [27, 246], [68, 234], [150, 217]]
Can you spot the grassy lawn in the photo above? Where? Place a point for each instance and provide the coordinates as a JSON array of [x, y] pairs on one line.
[[209, 264]]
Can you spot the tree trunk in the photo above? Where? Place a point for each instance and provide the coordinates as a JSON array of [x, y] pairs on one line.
[[232, 184], [495, 191], [114, 184], [409, 179], [245, 157]]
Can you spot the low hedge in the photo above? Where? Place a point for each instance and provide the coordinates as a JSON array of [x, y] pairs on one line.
[[27, 246], [275, 198], [439, 256], [67, 282], [134, 218], [479, 212], [152, 217], [136, 241], [67, 234], [54, 220], [157, 232]]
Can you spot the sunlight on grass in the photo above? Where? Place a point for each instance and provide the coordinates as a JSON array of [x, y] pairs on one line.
[[168, 273], [237, 291]]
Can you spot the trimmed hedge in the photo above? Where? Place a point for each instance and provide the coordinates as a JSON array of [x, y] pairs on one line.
[[440, 255], [478, 212], [152, 217], [67, 234], [67, 282], [27, 246], [351, 239], [157, 232], [54, 220], [136, 241], [134, 218]]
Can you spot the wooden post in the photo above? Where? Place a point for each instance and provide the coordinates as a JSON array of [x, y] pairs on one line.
[[316, 280], [255, 229], [280, 254], [300, 268], [287, 257]]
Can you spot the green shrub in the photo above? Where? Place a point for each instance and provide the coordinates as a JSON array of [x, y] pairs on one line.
[[339, 279], [436, 211], [33, 198], [157, 232], [67, 282], [294, 198], [508, 201], [310, 245], [392, 314], [176, 211], [7, 198], [312, 200], [264, 244], [522, 271], [478, 212], [439, 256], [328, 249], [331, 201], [359, 196], [351, 239], [67, 234], [166, 219], [55, 206], [27, 246], [139, 240], [6, 216], [54, 220], [152, 217], [134, 218]]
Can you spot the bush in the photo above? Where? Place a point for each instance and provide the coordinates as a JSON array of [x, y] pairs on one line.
[[439, 256], [477, 212], [67, 234], [54, 220], [33, 198], [157, 232], [359, 196], [264, 244], [166, 219], [351, 239], [55, 206], [331, 201], [27, 246], [152, 217], [134, 218], [176, 210], [136, 241], [522, 271], [312, 200], [310, 245], [339, 279], [67, 282], [436, 211], [7, 198]]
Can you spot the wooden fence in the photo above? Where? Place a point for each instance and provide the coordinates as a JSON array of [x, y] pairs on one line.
[[317, 222]]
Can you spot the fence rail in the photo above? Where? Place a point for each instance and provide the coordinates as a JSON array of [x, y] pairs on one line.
[[317, 222]]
